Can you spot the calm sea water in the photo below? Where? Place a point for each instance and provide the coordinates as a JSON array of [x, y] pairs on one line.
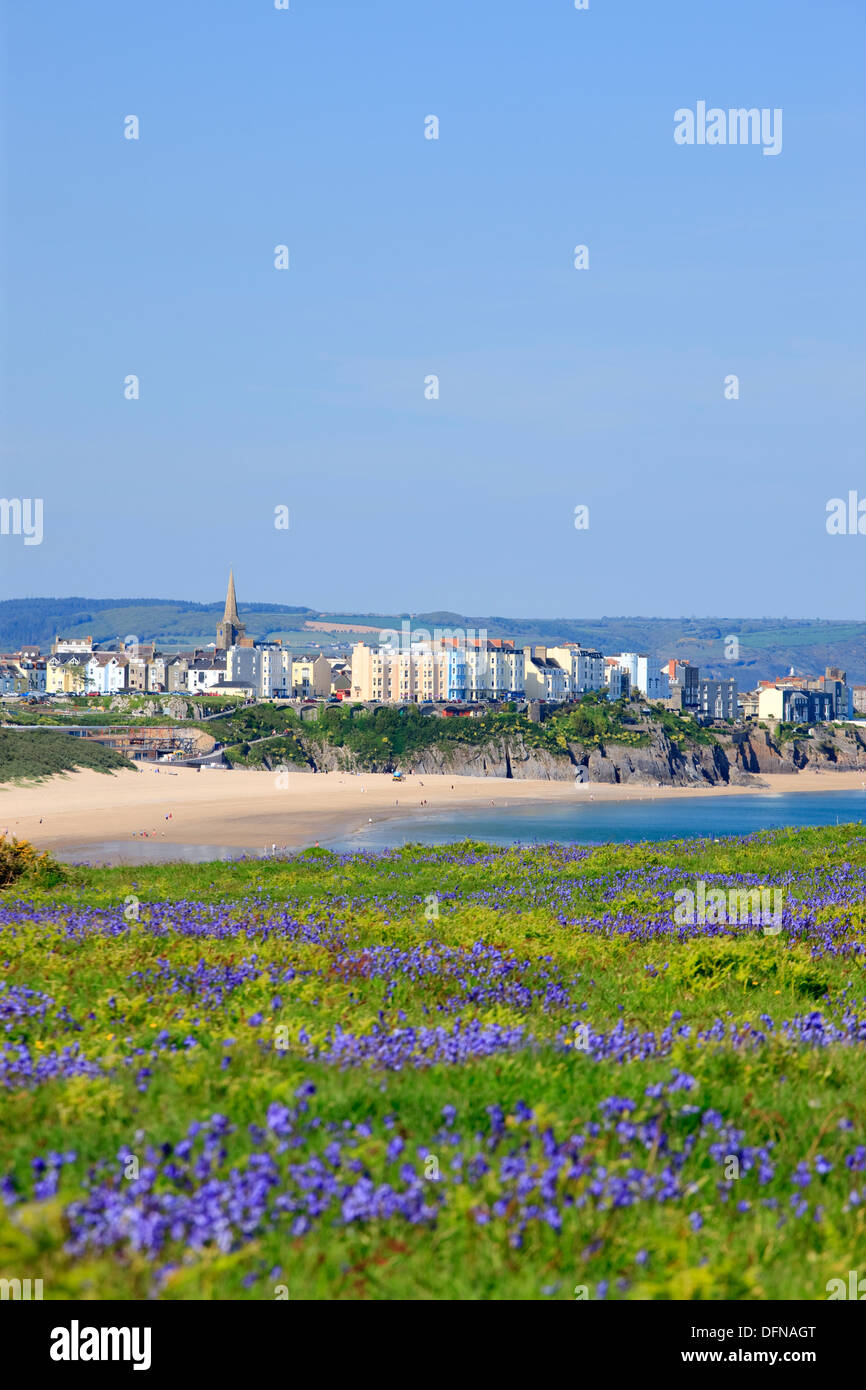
[[582, 823], [599, 822]]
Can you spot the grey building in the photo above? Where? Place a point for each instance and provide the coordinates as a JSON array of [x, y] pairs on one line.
[[717, 699], [686, 680]]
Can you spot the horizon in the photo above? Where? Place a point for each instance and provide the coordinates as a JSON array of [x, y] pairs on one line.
[[271, 605]]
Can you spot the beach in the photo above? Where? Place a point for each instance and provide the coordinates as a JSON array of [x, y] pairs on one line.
[[255, 810]]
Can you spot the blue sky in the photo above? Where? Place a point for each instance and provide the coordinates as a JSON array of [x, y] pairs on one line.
[[412, 257]]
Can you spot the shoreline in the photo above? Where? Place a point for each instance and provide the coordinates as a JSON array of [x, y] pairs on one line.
[[242, 808]]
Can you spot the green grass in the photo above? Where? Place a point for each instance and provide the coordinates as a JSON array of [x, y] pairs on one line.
[[541, 905], [26, 756]]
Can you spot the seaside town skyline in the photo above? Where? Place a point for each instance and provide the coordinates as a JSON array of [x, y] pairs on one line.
[[415, 665]]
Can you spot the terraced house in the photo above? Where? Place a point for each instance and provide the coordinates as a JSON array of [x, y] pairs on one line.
[[545, 679], [106, 672], [584, 666], [11, 680], [67, 674], [452, 669]]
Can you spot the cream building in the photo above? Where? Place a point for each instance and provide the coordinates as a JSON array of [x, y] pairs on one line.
[[379, 673], [544, 678], [449, 670], [66, 675], [62, 646], [311, 677], [583, 666]]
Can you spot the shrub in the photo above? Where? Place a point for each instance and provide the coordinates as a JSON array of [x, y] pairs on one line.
[[19, 859]]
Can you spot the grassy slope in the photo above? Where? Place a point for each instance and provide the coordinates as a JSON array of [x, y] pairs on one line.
[[791, 1096], [31, 756]]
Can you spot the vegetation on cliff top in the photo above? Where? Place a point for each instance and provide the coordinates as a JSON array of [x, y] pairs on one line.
[[266, 734]]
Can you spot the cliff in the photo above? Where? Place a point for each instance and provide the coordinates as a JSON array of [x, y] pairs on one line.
[[736, 760], [839, 748], [659, 762]]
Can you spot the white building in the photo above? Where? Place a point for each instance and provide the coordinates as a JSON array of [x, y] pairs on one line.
[[644, 676], [274, 671], [105, 673], [205, 673], [616, 679]]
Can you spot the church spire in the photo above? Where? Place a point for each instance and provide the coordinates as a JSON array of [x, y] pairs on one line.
[[231, 630], [231, 613]]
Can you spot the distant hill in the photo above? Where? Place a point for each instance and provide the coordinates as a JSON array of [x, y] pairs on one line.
[[173, 623], [768, 647]]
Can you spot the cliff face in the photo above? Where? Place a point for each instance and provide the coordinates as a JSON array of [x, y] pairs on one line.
[[175, 707], [834, 749], [659, 762], [736, 760]]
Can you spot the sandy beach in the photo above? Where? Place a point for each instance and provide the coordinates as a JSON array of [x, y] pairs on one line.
[[253, 810]]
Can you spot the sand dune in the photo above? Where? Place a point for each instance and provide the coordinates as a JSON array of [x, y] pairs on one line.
[[247, 809]]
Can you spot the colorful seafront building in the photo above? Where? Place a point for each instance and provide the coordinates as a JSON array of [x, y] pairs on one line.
[[416, 666]]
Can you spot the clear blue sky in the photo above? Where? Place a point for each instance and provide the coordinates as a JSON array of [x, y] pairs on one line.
[[411, 257]]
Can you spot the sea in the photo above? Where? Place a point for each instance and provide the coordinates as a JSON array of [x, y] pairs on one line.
[[585, 822]]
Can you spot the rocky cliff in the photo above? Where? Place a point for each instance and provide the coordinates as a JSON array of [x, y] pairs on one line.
[[839, 748], [659, 763], [738, 757]]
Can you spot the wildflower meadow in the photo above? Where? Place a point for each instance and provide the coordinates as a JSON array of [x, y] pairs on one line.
[[460, 1072]]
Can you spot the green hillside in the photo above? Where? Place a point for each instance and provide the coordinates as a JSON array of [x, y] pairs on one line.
[[768, 646], [32, 756]]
